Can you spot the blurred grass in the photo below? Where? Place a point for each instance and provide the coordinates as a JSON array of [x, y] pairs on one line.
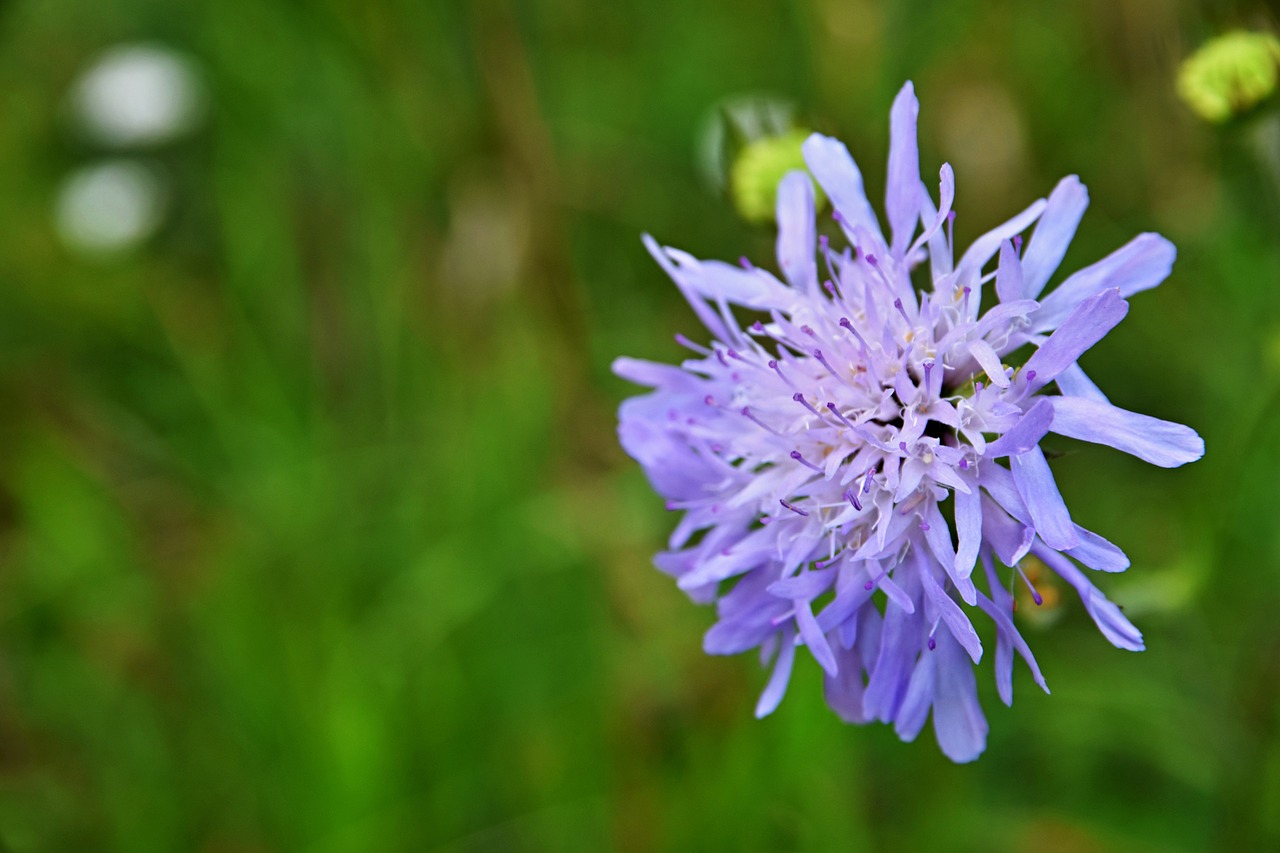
[[313, 532]]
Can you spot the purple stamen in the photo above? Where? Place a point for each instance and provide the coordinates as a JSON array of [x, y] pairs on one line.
[[808, 330], [933, 644], [1035, 595], [799, 398], [720, 356], [758, 328], [835, 411], [1017, 243], [852, 499], [928, 368], [838, 217], [823, 361], [746, 411], [796, 455], [794, 509], [866, 480], [924, 526], [897, 303], [844, 321], [967, 291], [746, 264], [709, 400]]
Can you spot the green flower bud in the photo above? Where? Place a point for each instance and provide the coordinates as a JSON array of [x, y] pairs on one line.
[[760, 165], [1229, 75]]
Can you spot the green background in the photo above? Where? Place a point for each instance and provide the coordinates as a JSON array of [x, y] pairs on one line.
[[314, 534]]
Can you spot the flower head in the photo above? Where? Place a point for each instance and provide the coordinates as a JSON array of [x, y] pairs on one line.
[[845, 462]]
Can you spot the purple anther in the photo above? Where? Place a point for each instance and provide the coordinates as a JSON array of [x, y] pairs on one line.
[[808, 330], [924, 526], [1035, 594], [844, 321], [928, 368], [951, 216], [823, 242], [964, 464], [967, 291], [933, 644], [732, 353], [799, 457], [866, 480], [757, 327], [709, 400], [799, 398], [797, 510], [1031, 376], [871, 259], [838, 217], [836, 411], [719, 448], [720, 356], [852, 499], [746, 264], [1017, 243], [829, 287], [897, 303], [823, 361], [902, 445]]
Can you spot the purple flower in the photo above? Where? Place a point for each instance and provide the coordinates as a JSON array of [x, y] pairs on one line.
[[863, 437]]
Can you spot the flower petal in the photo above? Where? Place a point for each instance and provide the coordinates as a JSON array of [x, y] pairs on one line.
[[1139, 265], [903, 187], [777, 686], [1150, 439], [831, 164], [958, 721], [1053, 234], [1088, 324], [796, 232], [1035, 484]]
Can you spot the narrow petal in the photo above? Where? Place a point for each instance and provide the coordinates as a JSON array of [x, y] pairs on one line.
[[1010, 285], [1035, 484], [814, 638], [1150, 439], [1110, 620], [939, 538], [989, 361], [700, 307], [968, 512], [1073, 382], [1005, 626], [903, 187], [1139, 265], [777, 686], [844, 691], [1088, 324], [958, 721], [982, 249], [953, 616], [796, 232], [1053, 234], [830, 162], [1026, 433], [919, 696]]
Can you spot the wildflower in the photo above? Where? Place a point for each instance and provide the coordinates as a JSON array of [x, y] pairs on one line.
[[844, 463]]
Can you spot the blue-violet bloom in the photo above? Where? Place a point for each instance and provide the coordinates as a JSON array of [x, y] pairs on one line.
[[862, 436]]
